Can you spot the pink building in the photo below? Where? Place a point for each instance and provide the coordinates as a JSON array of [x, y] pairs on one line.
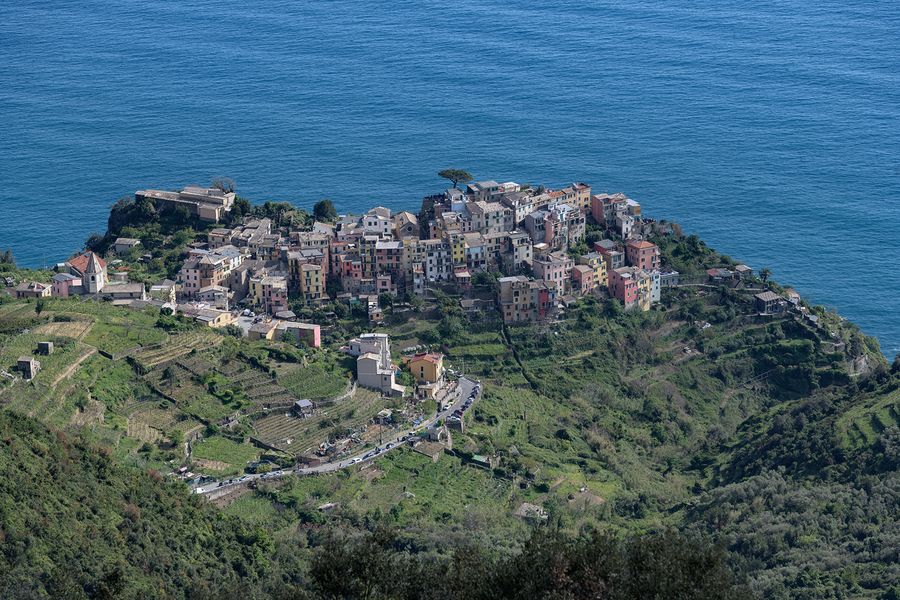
[[66, 284], [623, 285], [642, 254], [308, 333], [584, 278], [605, 207], [387, 256], [554, 268]]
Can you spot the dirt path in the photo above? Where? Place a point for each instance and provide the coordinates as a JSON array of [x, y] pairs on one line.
[[71, 368]]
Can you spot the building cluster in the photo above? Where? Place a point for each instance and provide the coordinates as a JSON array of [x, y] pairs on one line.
[[528, 235], [375, 369], [207, 204]]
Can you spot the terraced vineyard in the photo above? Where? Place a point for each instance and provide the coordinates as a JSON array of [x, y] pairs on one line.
[[863, 425], [298, 435], [175, 347], [77, 328], [315, 381], [261, 388]]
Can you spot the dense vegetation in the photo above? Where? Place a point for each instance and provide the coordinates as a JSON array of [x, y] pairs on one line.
[[74, 524]]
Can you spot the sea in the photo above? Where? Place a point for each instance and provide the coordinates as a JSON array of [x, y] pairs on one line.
[[769, 128]]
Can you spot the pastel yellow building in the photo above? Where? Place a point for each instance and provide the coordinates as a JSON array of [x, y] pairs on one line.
[[427, 367], [457, 248], [312, 286], [596, 261], [644, 290]]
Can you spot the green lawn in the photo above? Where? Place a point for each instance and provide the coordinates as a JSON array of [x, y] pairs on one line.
[[224, 450]]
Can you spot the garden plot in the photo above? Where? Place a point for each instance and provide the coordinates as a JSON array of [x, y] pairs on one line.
[[76, 329], [297, 435], [176, 346]]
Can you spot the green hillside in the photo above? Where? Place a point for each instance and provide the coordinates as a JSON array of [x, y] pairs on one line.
[[774, 437], [74, 524]]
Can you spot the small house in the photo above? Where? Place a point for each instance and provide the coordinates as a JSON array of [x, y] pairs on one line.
[[264, 330], [792, 295], [125, 244], [669, 278], [308, 333], [384, 417], [33, 289], [65, 285], [485, 462], [719, 275], [769, 303], [28, 366], [164, 291], [45, 348], [302, 408]]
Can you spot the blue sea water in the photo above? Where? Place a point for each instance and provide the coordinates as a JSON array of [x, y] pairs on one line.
[[770, 128]]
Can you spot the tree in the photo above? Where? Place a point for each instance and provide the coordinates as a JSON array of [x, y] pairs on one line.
[[233, 330], [240, 208], [96, 243], [226, 184], [457, 176], [176, 437], [7, 258], [324, 211], [385, 299], [764, 274], [127, 212], [39, 306]]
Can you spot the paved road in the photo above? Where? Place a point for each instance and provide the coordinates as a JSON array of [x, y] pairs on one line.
[[464, 389]]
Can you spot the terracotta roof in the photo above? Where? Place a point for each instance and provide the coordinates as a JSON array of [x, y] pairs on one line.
[[31, 286], [432, 357], [640, 244], [80, 262]]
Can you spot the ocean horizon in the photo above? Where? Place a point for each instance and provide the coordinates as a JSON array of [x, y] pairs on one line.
[[771, 130]]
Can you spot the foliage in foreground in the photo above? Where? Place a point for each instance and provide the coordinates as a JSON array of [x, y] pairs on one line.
[[74, 524], [549, 566]]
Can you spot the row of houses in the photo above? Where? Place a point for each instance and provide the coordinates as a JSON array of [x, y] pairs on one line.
[[84, 274]]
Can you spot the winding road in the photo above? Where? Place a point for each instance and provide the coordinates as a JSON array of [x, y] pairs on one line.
[[464, 389]]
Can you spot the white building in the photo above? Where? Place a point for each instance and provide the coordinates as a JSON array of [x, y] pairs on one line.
[[373, 363], [655, 286]]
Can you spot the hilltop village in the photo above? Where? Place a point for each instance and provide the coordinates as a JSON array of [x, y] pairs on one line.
[[500, 256], [539, 249], [533, 240]]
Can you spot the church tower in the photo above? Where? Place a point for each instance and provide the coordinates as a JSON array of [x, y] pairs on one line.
[[94, 276]]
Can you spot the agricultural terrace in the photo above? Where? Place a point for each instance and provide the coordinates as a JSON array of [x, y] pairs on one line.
[[330, 422], [130, 383]]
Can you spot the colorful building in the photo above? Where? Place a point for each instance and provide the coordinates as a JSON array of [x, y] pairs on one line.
[[642, 254], [522, 299], [632, 286]]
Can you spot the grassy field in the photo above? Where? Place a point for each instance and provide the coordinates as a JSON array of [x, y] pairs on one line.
[[220, 449]]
